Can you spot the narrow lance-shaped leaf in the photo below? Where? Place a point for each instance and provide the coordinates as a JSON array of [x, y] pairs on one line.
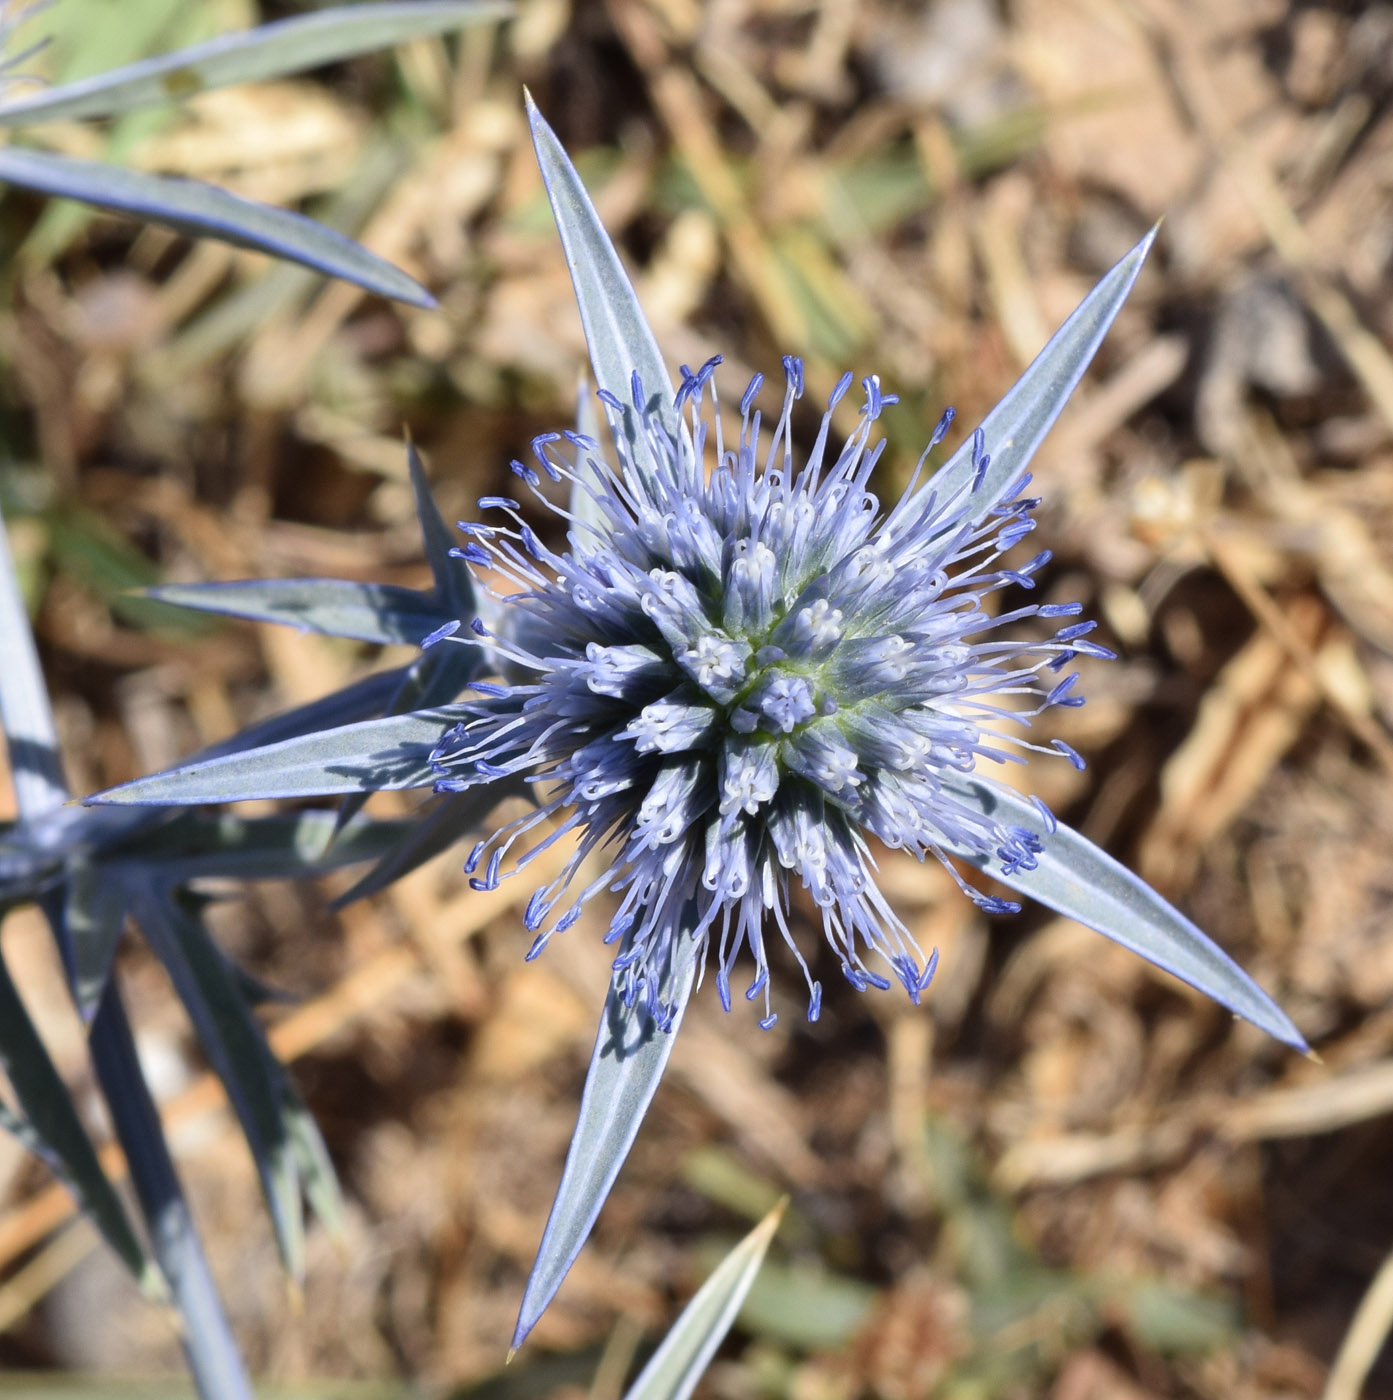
[[188, 846], [359, 701], [44, 1100], [25, 713], [437, 676], [1073, 877], [268, 51], [196, 845], [301, 1134], [235, 1047], [95, 914], [26, 867], [377, 754], [631, 1053], [204, 211], [675, 1368], [620, 340], [454, 585], [111, 828], [365, 612], [1017, 425], [94, 894], [208, 1342], [317, 1176]]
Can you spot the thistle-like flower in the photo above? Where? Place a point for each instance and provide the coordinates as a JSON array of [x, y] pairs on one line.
[[740, 673], [734, 679]]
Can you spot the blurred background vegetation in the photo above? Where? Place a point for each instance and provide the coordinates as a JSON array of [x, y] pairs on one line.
[[1065, 1176]]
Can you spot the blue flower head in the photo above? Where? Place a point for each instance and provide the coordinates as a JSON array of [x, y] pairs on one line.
[[739, 674], [742, 670]]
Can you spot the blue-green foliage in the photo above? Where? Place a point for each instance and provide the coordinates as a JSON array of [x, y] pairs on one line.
[[97, 871], [193, 206]]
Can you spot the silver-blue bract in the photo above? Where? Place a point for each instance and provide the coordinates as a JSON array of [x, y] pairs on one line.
[[743, 671]]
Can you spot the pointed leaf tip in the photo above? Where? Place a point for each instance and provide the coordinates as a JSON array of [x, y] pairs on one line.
[[619, 338], [201, 210], [1015, 428], [630, 1055], [675, 1368], [454, 585], [1075, 878], [373, 755], [367, 612]]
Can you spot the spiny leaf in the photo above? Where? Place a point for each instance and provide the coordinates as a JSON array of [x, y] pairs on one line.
[[436, 677], [208, 1342], [197, 845], [317, 1176], [236, 1048], [376, 754], [361, 700], [95, 915], [585, 505], [1075, 878], [439, 675], [454, 585], [204, 211], [366, 612], [1017, 425], [452, 817], [616, 330], [630, 1055], [49, 1111]]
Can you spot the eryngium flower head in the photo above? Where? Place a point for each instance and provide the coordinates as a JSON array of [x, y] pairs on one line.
[[733, 682]]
